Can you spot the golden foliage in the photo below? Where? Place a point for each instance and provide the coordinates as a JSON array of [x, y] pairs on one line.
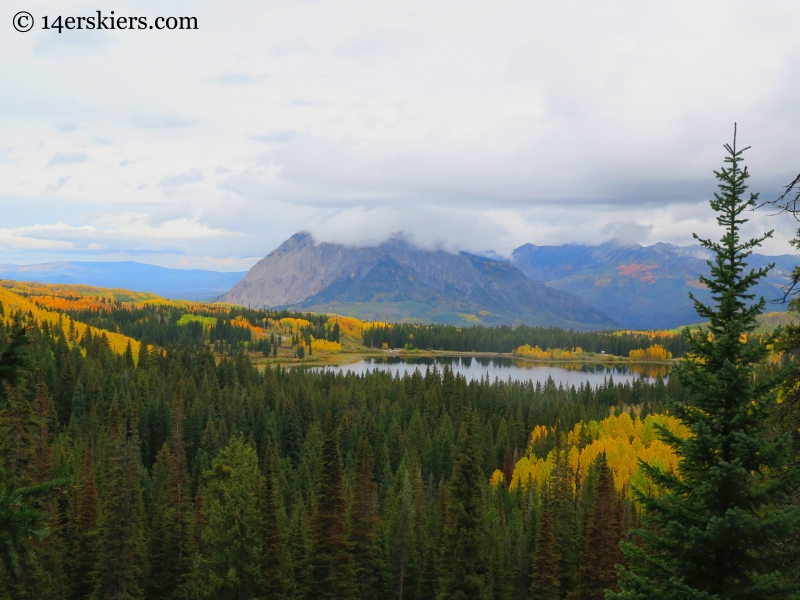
[[624, 440], [554, 354], [497, 478], [325, 346], [654, 352], [291, 325], [14, 301], [352, 327], [654, 334]]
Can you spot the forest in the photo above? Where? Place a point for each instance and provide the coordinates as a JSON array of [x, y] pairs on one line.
[[140, 457], [147, 448], [506, 338]]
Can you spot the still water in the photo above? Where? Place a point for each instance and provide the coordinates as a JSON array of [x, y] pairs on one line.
[[474, 368]]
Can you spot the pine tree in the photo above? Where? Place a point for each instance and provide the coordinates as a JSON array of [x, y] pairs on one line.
[[716, 529], [24, 515], [13, 360], [121, 552], [601, 553], [275, 558], [330, 562], [499, 576], [128, 356], [545, 584], [434, 542], [44, 409], [144, 356], [464, 564], [402, 534], [82, 531], [19, 429], [298, 544], [231, 566], [66, 380], [527, 498], [78, 405], [565, 518], [48, 579], [364, 536], [171, 513], [21, 524]]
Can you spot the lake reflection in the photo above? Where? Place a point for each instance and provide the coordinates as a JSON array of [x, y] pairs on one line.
[[474, 368]]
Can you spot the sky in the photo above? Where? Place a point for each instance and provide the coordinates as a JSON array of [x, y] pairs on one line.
[[475, 126]]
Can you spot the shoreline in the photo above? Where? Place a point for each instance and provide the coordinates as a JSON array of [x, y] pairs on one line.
[[346, 358]]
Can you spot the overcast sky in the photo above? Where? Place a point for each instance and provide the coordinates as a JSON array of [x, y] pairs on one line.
[[474, 126]]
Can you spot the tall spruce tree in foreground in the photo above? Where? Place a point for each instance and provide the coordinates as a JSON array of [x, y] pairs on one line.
[[464, 563], [365, 538], [230, 565], [544, 582], [716, 529], [120, 527], [83, 530], [330, 562], [275, 585], [171, 521], [601, 553]]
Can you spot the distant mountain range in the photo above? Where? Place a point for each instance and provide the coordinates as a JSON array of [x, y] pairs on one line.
[[396, 282], [586, 287], [640, 287], [184, 284]]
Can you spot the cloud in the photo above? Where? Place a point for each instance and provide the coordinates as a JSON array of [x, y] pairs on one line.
[[273, 138], [56, 187], [291, 47], [169, 121], [67, 158], [192, 176], [51, 44], [235, 79], [431, 228], [304, 103], [40, 236], [627, 231], [482, 126], [138, 225]]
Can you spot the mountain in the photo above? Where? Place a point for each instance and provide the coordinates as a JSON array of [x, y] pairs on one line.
[[397, 282], [185, 284], [640, 287]]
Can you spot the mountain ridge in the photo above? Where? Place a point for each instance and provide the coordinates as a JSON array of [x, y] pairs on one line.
[[640, 287], [396, 281]]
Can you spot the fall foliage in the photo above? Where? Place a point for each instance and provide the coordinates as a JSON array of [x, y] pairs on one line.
[[622, 439]]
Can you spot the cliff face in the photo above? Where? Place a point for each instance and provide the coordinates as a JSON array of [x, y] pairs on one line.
[[395, 281]]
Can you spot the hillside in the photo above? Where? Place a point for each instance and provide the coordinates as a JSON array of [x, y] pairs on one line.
[[639, 287], [17, 300], [397, 282], [186, 284]]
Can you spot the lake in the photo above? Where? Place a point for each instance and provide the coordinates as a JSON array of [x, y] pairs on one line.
[[474, 368]]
